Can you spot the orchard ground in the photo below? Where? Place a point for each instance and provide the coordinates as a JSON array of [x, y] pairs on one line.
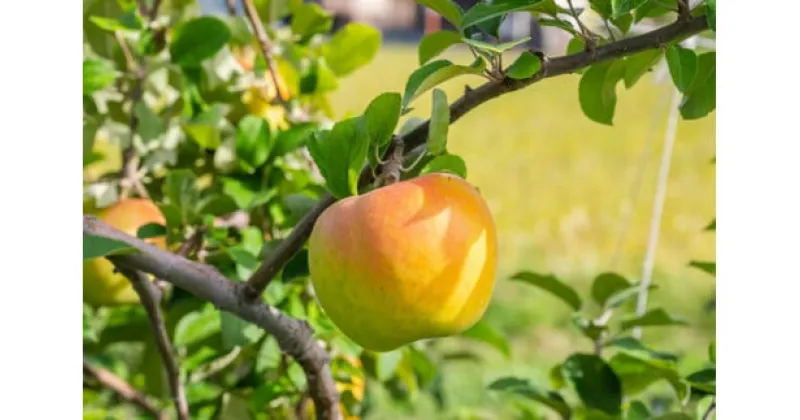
[[560, 186]]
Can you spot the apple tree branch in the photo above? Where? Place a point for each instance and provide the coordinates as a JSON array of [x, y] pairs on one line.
[[117, 385], [471, 99], [294, 337], [150, 296]]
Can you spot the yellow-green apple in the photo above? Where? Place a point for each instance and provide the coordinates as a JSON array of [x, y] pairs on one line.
[[412, 260], [101, 285]]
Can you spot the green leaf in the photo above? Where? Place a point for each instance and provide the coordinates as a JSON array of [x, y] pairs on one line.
[[439, 125], [181, 191], [446, 8], [484, 332], [340, 154], [432, 74], [386, 364], [623, 22], [712, 227], [436, 43], [711, 5], [297, 267], [353, 46], [701, 97], [712, 351], [551, 284], [216, 205], [576, 45], [89, 331], [205, 128], [293, 138], [254, 142], [603, 7], [524, 388], [309, 19], [635, 347], [594, 381], [638, 410], [558, 23], [653, 318], [240, 30], [622, 7], [197, 40], [197, 326], [319, 78], [682, 64], [150, 126], [382, 115], [97, 75], [704, 379], [485, 11], [410, 125], [496, 48], [203, 355], [597, 90], [606, 285], [269, 355], [446, 163], [637, 373], [525, 66], [241, 191], [100, 246], [151, 230], [639, 64], [237, 332], [709, 267]]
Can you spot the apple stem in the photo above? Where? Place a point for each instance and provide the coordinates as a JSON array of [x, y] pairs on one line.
[[393, 166]]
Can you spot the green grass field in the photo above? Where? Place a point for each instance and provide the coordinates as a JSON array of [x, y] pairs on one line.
[[560, 187]]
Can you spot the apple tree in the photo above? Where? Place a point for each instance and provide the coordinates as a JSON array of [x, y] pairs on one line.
[[216, 137]]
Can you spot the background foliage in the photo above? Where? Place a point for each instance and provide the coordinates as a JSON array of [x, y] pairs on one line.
[[191, 100]]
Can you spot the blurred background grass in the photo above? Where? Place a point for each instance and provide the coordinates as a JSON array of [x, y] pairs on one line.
[[561, 188]]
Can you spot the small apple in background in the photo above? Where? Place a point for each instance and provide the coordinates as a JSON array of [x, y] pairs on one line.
[[412, 260], [101, 285]]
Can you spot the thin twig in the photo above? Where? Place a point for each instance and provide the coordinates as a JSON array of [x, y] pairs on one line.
[[153, 14], [584, 30], [265, 45], [129, 173], [610, 32], [684, 11], [658, 209], [469, 101], [149, 296], [123, 389], [294, 337], [231, 4]]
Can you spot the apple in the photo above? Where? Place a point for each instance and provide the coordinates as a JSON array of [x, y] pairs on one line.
[[101, 285], [412, 260]]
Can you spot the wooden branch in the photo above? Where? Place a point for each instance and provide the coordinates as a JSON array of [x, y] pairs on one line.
[[294, 336], [150, 296], [265, 45], [129, 173], [471, 99], [259, 280], [231, 5], [123, 389]]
